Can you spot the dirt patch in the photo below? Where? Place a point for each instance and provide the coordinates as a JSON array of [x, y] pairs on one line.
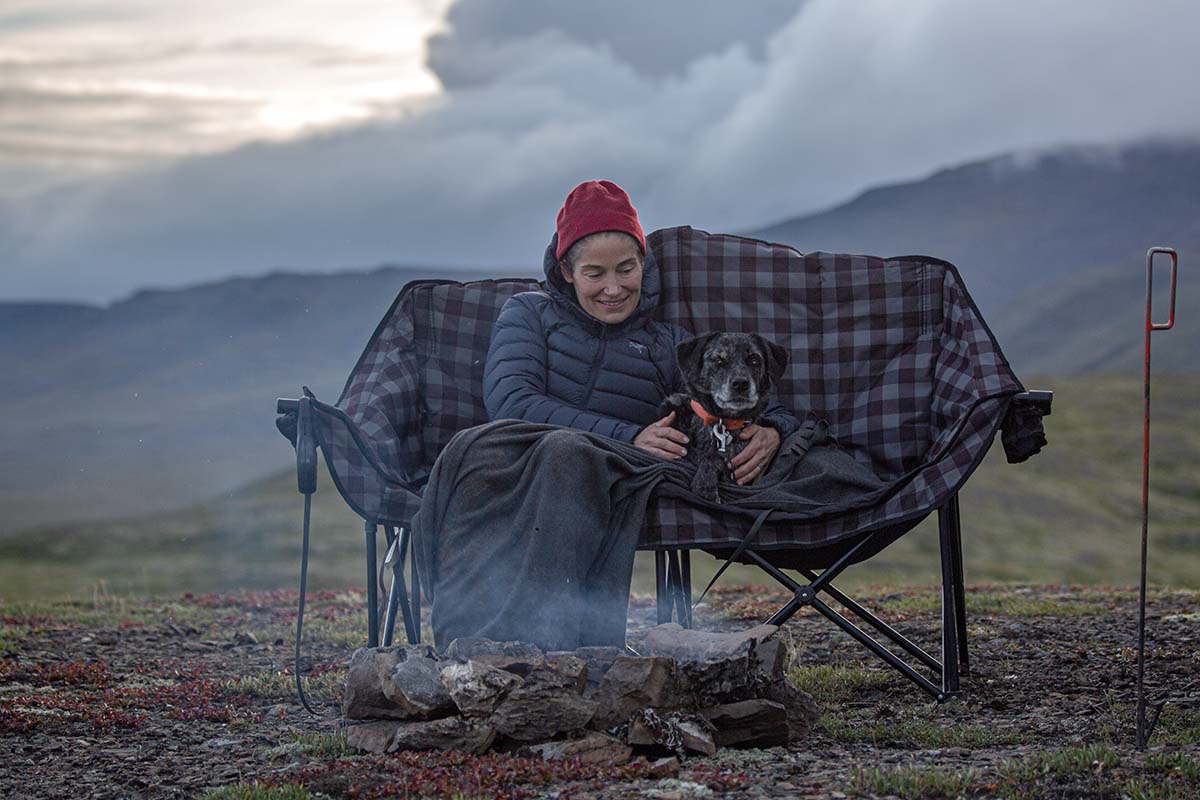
[[181, 698]]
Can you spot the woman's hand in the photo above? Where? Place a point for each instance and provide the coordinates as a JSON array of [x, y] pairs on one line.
[[749, 465], [662, 440]]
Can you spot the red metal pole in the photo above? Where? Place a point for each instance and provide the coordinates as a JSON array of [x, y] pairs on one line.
[[1144, 727]]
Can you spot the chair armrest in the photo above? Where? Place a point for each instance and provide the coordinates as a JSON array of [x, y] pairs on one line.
[[295, 422], [1021, 431], [1041, 399]]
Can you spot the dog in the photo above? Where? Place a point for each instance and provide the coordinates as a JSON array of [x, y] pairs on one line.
[[728, 377]]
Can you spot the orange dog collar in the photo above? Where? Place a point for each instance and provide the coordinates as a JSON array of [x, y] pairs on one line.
[[709, 420]]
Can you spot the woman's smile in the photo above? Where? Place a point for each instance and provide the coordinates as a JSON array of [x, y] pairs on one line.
[[607, 276]]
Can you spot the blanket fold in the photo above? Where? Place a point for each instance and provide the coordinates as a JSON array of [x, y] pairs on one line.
[[528, 531]]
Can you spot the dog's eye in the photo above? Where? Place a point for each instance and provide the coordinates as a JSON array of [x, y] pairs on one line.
[[754, 361]]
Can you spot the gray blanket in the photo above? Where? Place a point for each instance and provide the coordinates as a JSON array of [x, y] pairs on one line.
[[528, 531]]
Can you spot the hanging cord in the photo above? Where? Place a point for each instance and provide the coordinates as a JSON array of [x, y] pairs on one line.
[[306, 482], [754, 529], [300, 607]]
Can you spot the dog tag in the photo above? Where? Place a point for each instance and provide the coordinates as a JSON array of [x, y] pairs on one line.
[[723, 437]]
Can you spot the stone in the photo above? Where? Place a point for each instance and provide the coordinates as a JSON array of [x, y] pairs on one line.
[[802, 710], [633, 683], [477, 688], [570, 666], [593, 748], [749, 723], [373, 737], [673, 730], [773, 658], [520, 658], [715, 682], [415, 687], [244, 639], [664, 768], [544, 706], [368, 693], [370, 669], [598, 659], [684, 644], [448, 733]]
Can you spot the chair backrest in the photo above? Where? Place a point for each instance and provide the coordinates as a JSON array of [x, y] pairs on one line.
[[881, 348]]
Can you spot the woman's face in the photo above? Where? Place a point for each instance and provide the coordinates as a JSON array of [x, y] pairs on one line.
[[606, 271]]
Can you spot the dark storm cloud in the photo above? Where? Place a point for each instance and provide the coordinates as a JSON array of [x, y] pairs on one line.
[[656, 39], [724, 135]]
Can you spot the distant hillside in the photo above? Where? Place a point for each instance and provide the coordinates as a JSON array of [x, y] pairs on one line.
[[1014, 225], [167, 397], [1094, 320]]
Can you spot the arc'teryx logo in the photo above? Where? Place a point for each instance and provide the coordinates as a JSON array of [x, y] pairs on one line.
[[639, 348]]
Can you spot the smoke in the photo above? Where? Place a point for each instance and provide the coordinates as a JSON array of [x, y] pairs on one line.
[[705, 119]]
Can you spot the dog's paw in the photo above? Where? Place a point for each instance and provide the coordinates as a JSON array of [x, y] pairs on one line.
[[673, 402]]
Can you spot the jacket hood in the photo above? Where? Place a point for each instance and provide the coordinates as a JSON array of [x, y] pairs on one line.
[[564, 293]]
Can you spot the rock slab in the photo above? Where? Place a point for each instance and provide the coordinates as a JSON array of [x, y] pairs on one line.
[[593, 748], [477, 688], [545, 705]]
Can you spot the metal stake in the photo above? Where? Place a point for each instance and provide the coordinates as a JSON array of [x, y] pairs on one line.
[[1146, 726]]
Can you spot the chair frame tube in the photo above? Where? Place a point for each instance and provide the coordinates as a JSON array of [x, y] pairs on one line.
[[946, 672]]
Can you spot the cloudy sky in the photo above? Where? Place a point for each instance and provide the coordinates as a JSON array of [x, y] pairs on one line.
[[151, 143]]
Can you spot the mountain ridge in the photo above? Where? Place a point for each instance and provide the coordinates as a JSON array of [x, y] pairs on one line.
[[166, 396]]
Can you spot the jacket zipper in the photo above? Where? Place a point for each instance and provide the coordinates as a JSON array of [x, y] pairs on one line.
[[587, 392]]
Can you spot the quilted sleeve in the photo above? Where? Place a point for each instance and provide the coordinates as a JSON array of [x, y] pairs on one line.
[[514, 376], [778, 417]]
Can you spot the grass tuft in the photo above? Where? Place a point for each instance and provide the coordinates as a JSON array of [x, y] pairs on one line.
[[914, 733], [1032, 776], [258, 791], [913, 783], [314, 745], [835, 684], [273, 684]]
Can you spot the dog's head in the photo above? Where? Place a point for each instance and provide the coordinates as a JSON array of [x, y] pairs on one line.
[[730, 373]]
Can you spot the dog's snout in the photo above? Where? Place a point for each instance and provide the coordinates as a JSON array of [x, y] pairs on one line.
[[741, 385]]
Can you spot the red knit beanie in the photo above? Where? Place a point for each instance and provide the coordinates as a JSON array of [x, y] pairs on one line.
[[595, 206]]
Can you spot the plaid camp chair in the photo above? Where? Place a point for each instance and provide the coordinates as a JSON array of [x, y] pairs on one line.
[[892, 352]]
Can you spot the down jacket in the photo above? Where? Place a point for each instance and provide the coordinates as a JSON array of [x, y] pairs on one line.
[[550, 361]]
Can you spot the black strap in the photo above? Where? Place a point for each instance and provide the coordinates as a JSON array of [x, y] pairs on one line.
[[754, 529], [300, 608]]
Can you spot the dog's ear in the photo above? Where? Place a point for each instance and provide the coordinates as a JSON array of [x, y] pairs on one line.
[[691, 353], [777, 357]]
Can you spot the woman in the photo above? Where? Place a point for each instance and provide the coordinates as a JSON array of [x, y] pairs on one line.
[[584, 356]]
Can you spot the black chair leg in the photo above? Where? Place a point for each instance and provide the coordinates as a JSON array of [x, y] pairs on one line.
[[661, 591], [392, 603], [398, 592], [372, 589], [676, 593], [950, 602], [685, 563], [415, 636], [960, 599]]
